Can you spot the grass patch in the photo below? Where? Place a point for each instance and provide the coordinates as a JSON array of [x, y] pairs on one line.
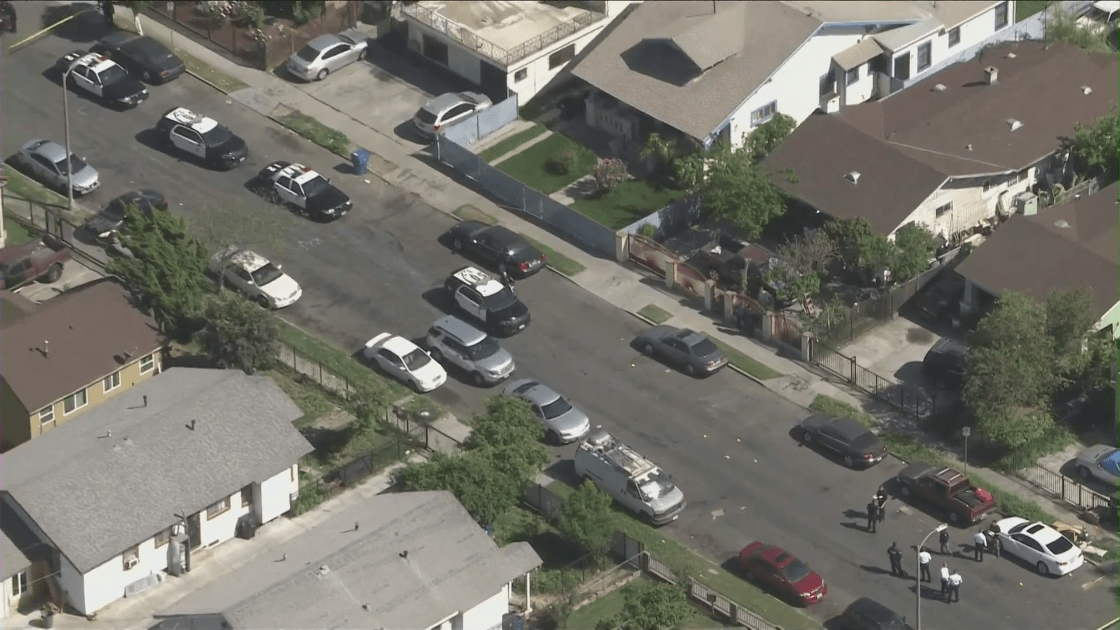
[[1053, 440], [632, 200], [609, 605], [830, 406], [556, 260], [655, 314], [747, 364], [315, 131], [23, 186], [467, 212], [530, 167], [311, 400], [1026, 8], [340, 363], [16, 233], [509, 144]]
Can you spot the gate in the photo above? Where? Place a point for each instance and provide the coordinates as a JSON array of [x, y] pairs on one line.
[[649, 254], [785, 329], [691, 280], [906, 399]]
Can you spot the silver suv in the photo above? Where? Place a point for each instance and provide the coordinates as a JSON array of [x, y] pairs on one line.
[[451, 340]]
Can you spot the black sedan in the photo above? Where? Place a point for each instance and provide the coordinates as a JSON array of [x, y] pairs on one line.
[[141, 56], [868, 614], [685, 348], [104, 224], [851, 441], [498, 247]]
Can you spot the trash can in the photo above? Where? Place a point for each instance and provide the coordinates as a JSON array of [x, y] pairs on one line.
[[359, 160]]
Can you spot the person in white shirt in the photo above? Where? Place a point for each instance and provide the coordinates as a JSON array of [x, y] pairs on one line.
[[944, 580], [923, 564], [979, 544], [955, 587]]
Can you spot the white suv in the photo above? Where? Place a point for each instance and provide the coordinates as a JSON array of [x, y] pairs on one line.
[[451, 340]]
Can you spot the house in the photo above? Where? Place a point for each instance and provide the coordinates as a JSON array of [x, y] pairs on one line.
[[710, 70], [1062, 247], [955, 150], [506, 47], [177, 463], [70, 354], [413, 560]]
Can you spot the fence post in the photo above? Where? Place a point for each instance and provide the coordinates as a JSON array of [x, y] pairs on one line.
[[1063, 478], [852, 378], [320, 363]]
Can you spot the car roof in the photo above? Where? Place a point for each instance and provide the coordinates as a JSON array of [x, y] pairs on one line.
[[776, 555], [298, 172], [195, 121], [483, 282], [444, 102], [689, 336], [506, 236], [148, 46], [847, 427], [323, 42], [460, 329], [118, 38], [248, 260], [540, 394], [398, 345], [1041, 532], [96, 61], [950, 346], [49, 149]]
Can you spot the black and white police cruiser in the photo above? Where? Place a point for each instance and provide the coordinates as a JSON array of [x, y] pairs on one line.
[[296, 185], [489, 301], [102, 77], [202, 138]]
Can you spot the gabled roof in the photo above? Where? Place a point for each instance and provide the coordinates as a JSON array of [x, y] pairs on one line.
[[12, 558], [407, 560], [1061, 247], [865, 50], [174, 444], [91, 331]]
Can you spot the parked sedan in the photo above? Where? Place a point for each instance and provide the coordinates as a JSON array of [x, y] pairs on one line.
[[1040, 545], [405, 361], [47, 162], [857, 446], [683, 347], [105, 224], [785, 575], [868, 614], [1100, 462], [565, 423], [326, 54], [498, 246], [141, 56]]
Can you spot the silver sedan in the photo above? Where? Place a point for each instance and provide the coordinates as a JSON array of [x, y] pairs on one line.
[[564, 422], [328, 53], [1101, 462], [47, 162]]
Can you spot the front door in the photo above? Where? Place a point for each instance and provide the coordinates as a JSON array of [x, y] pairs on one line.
[[194, 531]]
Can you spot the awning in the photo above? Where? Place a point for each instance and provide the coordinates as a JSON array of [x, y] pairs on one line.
[[859, 54]]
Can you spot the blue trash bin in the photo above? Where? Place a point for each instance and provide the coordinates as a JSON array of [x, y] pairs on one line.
[[359, 160]]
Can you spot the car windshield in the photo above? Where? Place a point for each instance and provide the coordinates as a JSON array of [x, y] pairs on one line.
[[315, 186], [1018, 528], [704, 348], [416, 359], [501, 300], [76, 165], [426, 117], [114, 211], [112, 74], [1059, 545], [266, 274], [556, 408], [217, 136], [656, 486], [486, 348], [307, 53], [795, 571]]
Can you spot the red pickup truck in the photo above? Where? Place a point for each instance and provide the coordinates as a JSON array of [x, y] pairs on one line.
[[22, 264], [947, 489]]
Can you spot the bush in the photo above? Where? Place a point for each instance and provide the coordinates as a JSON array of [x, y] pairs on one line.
[[609, 173], [648, 230], [563, 162], [1055, 439]]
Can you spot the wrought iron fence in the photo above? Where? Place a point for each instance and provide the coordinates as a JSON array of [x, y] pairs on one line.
[[722, 607], [41, 219], [1067, 489], [543, 501], [908, 400], [360, 468]]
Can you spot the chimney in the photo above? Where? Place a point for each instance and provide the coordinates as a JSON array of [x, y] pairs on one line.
[[991, 75], [852, 177], [47, 348]]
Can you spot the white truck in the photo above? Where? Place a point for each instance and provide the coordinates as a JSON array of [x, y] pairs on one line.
[[628, 477]]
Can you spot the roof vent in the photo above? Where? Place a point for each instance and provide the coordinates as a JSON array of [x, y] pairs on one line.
[[1086, 90], [991, 75], [852, 177], [1014, 124], [404, 554], [939, 88], [1011, 55], [969, 147], [486, 21], [47, 348], [1061, 223]]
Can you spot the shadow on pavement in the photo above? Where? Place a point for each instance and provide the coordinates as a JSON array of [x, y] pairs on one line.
[[87, 26], [413, 69], [929, 592]]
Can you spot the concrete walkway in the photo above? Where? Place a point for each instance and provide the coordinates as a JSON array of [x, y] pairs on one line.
[[400, 165]]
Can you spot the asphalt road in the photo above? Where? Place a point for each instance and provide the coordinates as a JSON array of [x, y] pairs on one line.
[[380, 268]]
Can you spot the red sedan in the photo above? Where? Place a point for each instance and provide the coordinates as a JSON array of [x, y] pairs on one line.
[[783, 574]]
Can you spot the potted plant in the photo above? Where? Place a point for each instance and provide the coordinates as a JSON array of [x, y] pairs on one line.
[[48, 612]]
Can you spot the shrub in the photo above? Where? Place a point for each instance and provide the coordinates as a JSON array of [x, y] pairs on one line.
[[563, 162], [609, 173], [648, 230]]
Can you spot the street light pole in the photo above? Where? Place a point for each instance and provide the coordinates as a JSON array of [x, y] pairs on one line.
[[66, 132], [918, 574]]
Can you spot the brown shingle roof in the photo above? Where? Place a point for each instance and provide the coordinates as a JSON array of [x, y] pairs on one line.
[[89, 331], [1060, 248]]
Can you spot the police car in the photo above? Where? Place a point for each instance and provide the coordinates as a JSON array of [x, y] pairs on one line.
[[487, 300], [302, 188], [202, 138], [103, 78]]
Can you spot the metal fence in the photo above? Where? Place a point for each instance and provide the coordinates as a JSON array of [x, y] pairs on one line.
[[520, 197], [483, 123], [673, 218], [721, 607], [908, 400], [313, 369], [1065, 488], [543, 501], [41, 219]]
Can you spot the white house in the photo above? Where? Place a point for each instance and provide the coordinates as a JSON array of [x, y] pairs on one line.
[[121, 498], [957, 148], [413, 560], [709, 70], [507, 47], [16, 573]]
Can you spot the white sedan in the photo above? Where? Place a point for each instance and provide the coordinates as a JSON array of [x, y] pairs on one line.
[[405, 361], [1041, 545]]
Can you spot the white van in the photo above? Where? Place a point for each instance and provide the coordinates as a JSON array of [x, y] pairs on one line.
[[629, 478]]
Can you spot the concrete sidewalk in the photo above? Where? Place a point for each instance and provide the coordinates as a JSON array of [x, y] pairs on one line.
[[400, 164]]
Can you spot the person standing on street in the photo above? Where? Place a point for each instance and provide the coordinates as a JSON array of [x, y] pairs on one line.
[[506, 278], [955, 587], [8, 13], [923, 564], [107, 9], [944, 540], [881, 501], [872, 516], [979, 544], [997, 546], [944, 581], [895, 555]]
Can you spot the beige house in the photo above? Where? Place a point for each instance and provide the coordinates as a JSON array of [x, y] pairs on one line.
[[69, 354]]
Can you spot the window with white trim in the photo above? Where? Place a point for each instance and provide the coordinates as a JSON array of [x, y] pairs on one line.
[[954, 36], [147, 363], [46, 415], [1022, 176], [925, 56], [1001, 15], [19, 583], [217, 509], [111, 382], [74, 402], [943, 209], [764, 113]]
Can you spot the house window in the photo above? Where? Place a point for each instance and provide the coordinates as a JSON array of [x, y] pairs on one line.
[[954, 36], [74, 401], [19, 584], [247, 496], [944, 209], [111, 382], [131, 557], [828, 84], [1001, 15], [218, 508], [851, 76], [987, 185], [147, 363], [902, 67], [1023, 175], [764, 113], [46, 415], [520, 74], [925, 56], [163, 537], [562, 56]]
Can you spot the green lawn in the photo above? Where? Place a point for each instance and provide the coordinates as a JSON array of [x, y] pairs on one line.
[[632, 200], [1026, 8], [340, 363], [655, 314], [556, 260], [334, 141], [609, 605], [830, 406], [16, 232], [313, 401], [530, 167], [509, 144], [747, 364], [23, 186]]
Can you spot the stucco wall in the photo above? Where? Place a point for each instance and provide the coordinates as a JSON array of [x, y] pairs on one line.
[[971, 204], [973, 32], [275, 494], [487, 614]]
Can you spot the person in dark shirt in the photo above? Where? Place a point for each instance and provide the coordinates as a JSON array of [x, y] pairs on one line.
[[8, 15]]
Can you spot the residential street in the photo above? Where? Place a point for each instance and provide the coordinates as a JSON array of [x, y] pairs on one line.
[[726, 439]]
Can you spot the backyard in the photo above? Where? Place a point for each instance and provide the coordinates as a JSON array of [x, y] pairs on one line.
[[535, 166], [610, 605], [631, 200]]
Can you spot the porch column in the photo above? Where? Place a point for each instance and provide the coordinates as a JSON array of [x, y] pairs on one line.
[[670, 274], [528, 594], [709, 295]]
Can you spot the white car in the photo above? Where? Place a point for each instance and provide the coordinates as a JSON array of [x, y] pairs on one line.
[[1041, 545], [256, 277], [405, 361]]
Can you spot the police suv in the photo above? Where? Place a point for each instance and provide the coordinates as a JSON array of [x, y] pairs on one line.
[[202, 138], [487, 300], [103, 78], [302, 188]]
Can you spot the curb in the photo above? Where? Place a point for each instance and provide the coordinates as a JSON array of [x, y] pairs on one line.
[[729, 365]]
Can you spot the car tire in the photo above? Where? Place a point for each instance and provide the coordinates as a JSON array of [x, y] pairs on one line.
[[54, 273], [806, 437], [476, 378], [553, 437], [648, 349], [849, 461], [457, 244], [1043, 569], [904, 491], [263, 301], [1084, 473], [322, 74], [414, 386]]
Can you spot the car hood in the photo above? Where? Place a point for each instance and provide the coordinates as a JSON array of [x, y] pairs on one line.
[[1094, 454], [329, 199], [281, 288], [431, 372], [124, 88], [234, 145], [496, 361], [809, 583], [84, 177], [571, 422], [101, 223], [513, 312], [667, 502]]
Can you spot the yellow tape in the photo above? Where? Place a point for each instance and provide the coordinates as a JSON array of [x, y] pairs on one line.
[[64, 20]]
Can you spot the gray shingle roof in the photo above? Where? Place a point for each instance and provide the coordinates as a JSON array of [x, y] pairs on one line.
[[331, 571], [129, 465]]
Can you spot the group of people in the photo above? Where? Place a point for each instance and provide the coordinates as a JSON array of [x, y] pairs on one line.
[[950, 580], [877, 509]]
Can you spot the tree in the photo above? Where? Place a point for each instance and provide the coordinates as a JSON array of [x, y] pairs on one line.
[[664, 154], [915, 245], [166, 268], [847, 234], [587, 520], [877, 252], [1094, 147], [509, 429], [769, 135], [736, 191], [649, 605], [791, 285], [808, 253], [238, 334]]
